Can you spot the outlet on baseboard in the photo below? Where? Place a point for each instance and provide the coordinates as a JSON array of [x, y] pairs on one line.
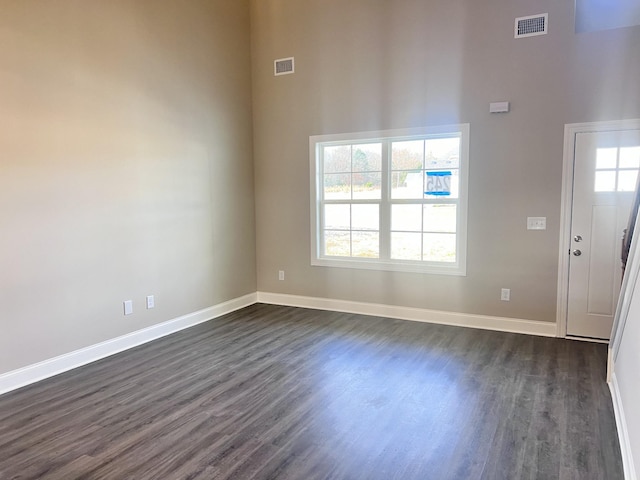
[[505, 294], [281, 275]]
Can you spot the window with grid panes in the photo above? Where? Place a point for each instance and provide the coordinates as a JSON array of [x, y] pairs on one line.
[[391, 200]]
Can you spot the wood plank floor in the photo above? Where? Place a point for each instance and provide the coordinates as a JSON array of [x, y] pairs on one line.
[[273, 392]]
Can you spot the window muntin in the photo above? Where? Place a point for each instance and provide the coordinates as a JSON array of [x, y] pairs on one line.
[[392, 200], [617, 169]]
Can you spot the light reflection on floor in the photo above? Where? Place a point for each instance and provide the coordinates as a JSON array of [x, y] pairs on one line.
[[416, 394]]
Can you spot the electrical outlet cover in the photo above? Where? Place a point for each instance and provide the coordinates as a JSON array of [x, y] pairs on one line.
[[128, 307]]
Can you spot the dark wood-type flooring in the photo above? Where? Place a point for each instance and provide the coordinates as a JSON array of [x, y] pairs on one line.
[[273, 392]]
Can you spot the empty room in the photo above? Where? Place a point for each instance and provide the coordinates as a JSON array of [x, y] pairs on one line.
[[319, 239]]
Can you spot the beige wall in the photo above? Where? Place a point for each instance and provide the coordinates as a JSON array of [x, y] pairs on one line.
[[373, 64], [125, 167], [126, 150]]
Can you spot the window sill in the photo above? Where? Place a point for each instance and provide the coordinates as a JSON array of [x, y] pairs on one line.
[[376, 264]]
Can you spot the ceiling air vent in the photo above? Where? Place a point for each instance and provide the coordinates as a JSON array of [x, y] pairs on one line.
[[283, 66], [532, 25]]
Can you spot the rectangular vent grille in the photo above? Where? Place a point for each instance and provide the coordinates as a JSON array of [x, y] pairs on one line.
[[283, 66], [532, 25]]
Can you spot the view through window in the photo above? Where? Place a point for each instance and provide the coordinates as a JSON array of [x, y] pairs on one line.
[[391, 200]]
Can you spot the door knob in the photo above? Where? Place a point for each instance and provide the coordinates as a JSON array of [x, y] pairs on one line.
[[577, 238], [577, 253]]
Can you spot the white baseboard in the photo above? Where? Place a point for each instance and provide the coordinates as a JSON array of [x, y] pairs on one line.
[[54, 366], [623, 433], [33, 373], [502, 324]]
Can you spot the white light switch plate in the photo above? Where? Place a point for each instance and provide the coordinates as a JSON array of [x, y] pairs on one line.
[[536, 223]]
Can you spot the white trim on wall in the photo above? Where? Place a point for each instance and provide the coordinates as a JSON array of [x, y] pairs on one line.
[[48, 368], [632, 272], [570, 132], [39, 371], [623, 433], [501, 324]]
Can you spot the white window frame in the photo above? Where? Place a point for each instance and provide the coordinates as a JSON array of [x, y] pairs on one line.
[[316, 142]]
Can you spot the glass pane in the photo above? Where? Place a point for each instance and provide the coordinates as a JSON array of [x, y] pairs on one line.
[[440, 218], [406, 246], [367, 185], [365, 244], [337, 159], [407, 184], [365, 217], [630, 157], [406, 217], [439, 247], [337, 244], [337, 217], [442, 153], [367, 157], [606, 158], [605, 181], [438, 183], [627, 180], [407, 155], [337, 186], [452, 182]]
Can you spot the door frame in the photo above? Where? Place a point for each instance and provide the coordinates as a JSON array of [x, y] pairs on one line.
[[570, 132]]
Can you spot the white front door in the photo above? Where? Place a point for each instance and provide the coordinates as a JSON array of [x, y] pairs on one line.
[[606, 166]]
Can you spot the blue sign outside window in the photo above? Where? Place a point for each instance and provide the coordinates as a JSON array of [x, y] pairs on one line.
[[438, 183]]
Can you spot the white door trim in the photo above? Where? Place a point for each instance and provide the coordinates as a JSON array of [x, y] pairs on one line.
[[570, 132]]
